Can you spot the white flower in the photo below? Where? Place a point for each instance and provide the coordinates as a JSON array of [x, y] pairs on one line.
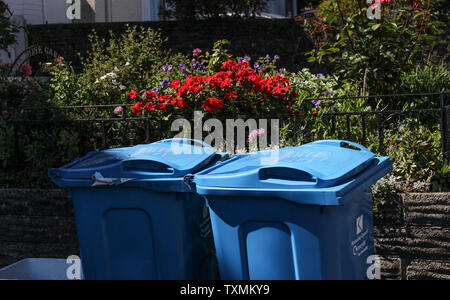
[[127, 64], [112, 75]]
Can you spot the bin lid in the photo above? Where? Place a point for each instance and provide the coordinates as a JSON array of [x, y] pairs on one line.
[[318, 165], [171, 158]]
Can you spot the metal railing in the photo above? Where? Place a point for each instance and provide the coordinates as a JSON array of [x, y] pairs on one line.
[[96, 127]]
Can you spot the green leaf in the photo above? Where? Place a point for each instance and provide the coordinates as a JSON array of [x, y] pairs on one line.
[[376, 26]]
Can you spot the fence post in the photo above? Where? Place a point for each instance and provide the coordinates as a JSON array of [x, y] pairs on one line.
[[445, 138], [445, 126]]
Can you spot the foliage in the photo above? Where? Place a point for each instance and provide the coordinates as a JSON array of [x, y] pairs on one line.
[[416, 152], [384, 189], [212, 9], [124, 62], [426, 78], [28, 149], [374, 52], [134, 69], [7, 29]]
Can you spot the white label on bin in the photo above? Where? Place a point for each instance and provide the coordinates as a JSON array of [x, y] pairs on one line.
[[360, 245], [359, 225], [100, 180]]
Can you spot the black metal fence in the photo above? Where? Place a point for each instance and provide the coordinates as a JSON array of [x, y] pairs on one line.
[[34, 133]]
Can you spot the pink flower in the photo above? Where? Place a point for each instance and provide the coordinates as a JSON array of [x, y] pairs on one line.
[[254, 134], [197, 52], [26, 69], [118, 110]]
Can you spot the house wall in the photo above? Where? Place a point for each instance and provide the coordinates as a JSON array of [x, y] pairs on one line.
[[114, 11], [40, 11], [30, 10]]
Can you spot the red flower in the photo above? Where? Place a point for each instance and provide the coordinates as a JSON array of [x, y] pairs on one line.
[[162, 107], [151, 106], [193, 84], [26, 69], [165, 99], [230, 65], [175, 84], [220, 79], [229, 95], [150, 95], [213, 104], [138, 107], [176, 101], [133, 95], [244, 65]]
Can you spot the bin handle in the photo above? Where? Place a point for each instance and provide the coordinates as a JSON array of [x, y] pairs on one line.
[[342, 144], [289, 173], [186, 140], [158, 164]]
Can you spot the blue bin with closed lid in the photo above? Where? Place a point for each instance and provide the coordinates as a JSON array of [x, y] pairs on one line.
[[136, 216], [295, 213]]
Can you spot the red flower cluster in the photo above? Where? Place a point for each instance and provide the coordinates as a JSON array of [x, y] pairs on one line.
[[138, 107], [213, 104], [133, 95], [155, 102], [224, 84], [193, 84]]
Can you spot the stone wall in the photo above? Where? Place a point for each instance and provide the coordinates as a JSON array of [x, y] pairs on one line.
[[256, 38], [412, 234], [412, 231], [36, 224]]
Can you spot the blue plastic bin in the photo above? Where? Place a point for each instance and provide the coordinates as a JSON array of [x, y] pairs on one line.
[[296, 213], [136, 217], [37, 269]]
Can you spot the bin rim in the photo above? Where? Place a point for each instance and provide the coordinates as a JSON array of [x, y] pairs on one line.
[[336, 195], [127, 164]]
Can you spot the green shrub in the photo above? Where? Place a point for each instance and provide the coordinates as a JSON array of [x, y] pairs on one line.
[[28, 148], [426, 78], [130, 61], [416, 152], [374, 52]]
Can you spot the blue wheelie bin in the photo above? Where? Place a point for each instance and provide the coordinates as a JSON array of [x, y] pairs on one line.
[[295, 213], [136, 216]]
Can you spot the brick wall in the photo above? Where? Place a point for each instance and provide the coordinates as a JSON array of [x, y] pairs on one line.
[[412, 234], [253, 37], [412, 231], [36, 224]]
